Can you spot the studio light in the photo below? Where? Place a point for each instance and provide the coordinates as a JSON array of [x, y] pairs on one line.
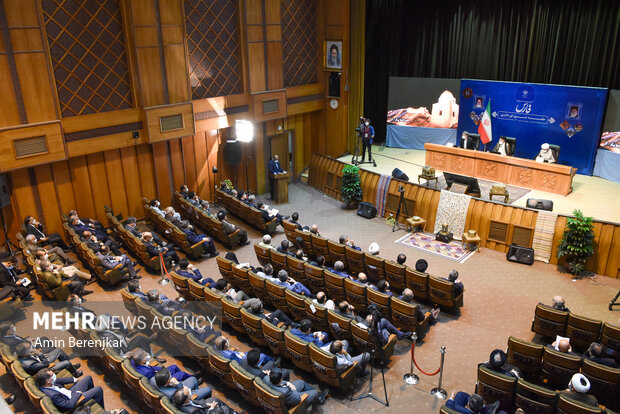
[[244, 130]]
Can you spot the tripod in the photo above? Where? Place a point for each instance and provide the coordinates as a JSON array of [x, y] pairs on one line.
[[401, 204], [374, 336], [614, 301], [355, 160], [7, 241]]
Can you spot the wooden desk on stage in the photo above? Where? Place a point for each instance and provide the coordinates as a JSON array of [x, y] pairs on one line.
[[552, 178], [280, 187]]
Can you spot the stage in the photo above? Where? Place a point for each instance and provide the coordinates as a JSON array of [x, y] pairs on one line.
[[595, 196]]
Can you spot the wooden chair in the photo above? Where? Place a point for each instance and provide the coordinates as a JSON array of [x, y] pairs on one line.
[[314, 277], [244, 382], [289, 230], [296, 269], [232, 314], [395, 275], [196, 290], [225, 266], [325, 368], [404, 317], [129, 300], [131, 377], [533, 398], [374, 267], [446, 410], [307, 238], [150, 395], [34, 393], [527, 356], [493, 386], [274, 336], [214, 301], [181, 285], [242, 281], [253, 327], [317, 315], [297, 351], [381, 300], [549, 322], [355, 261], [343, 323], [199, 352], [334, 286], [582, 331], [276, 295], [273, 402], [362, 340], [569, 406], [296, 304], [319, 246], [220, 366], [604, 383], [278, 260], [417, 282], [441, 292], [355, 294], [558, 368], [263, 255], [610, 338], [336, 253]]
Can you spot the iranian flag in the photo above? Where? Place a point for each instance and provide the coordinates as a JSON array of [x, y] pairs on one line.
[[484, 129]]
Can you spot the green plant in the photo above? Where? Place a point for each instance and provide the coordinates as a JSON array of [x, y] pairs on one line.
[[577, 242], [351, 187]]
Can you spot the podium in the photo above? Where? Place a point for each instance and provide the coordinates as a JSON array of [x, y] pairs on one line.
[[280, 187]]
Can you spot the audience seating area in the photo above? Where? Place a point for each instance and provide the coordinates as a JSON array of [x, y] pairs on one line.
[[246, 213]]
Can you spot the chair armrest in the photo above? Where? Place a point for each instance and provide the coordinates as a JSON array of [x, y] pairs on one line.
[[301, 407]]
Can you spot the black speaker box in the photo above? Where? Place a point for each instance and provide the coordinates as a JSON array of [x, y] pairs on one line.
[[5, 195], [366, 210], [539, 204], [520, 254], [398, 174], [232, 153]]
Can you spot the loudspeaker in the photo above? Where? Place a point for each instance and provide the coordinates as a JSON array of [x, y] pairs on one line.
[[5, 195], [399, 175], [520, 254], [366, 210], [539, 204], [232, 153]]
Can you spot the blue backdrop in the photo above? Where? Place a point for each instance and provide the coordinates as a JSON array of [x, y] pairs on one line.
[[568, 116]]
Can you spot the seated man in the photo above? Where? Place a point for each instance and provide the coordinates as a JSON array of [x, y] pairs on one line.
[[339, 269], [54, 252], [345, 360], [9, 277], [453, 277], [117, 333], [305, 332], [401, 259], [266, 242], [284, 247], [348, 242], [318, 262], [130, 226], [109, 262], [250, 200], [35, 228], [255, 306], [268, 213], [466, 404], [93, 224], [362, 279], [181, 399], [321, 299], [33, 360], [153, 249], [194, 199], [577, 390], [167, 384], [165, 306], [595, 354], [230, 228], [383, 286], [74, 305], [546, 154], [563, 345], [194, 238], [223, 286], [292, 390], [201, 331], [386, 328], [254, 363], [348, 311], [295, 220], [374, 248], [497, 363], [421, 313], [140, 361], [222, 345], [468, 142], [134, 288], [558, 303], [80, 228], [54, 278], [299, 255], [184, 191], [67, 399], [314, 229], [57, 265], [172, 216], [267, 273], [9, 337], [290, 283], [186, 269], [95, 244], [502, 147], [421, 265]]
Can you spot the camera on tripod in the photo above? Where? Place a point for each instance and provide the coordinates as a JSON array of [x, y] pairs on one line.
[[401, 189], [361, 125]]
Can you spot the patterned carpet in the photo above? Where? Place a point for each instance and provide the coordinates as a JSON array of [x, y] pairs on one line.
[[514, 193], [427, 243]]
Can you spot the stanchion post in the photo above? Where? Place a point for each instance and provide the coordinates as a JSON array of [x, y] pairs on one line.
[[439, 392], [164, 280], [410, 378]]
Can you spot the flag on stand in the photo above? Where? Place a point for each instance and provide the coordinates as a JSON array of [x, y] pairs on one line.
[[484, 129]]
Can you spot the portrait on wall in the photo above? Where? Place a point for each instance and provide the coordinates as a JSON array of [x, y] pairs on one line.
[[479, 101], [574, 110], [333, 55]]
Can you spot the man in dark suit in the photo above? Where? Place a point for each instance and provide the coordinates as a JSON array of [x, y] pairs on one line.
[[117, 333], [346, 310], [9, 277], [468, 142], [9, 337], [284, 248], [36, 228], [153, 249], [230, 228], [453, 277], [165, 383], [140, 361], [274, 168], [186, 269], [167, 307], [595, 354], [181, 399], [202, 331], [194, 238], [33, 360], [95, 244], [222, 346], [184, 191], [66, 399], [497, 363], [339, 269], [54, 278], [293, 390], [93, 224], [295, 220], [81, 228], [110, 262], [305, 332], [252, 363]]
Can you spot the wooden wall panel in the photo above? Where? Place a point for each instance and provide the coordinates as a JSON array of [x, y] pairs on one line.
[[133, 181], [189, 162], [98, 184], [613, 264], [162, 173], [8, 103], [81, 187], [147, 171], [176, 160], [23, 195], [202, 170], [49, 200], [64, 188], [116, 182]]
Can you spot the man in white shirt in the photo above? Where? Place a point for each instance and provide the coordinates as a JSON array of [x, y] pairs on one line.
[[321, 299], [266, 243], [345, 360], [545, 154]]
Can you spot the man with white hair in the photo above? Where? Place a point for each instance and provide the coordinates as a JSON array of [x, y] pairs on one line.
[[373, 248], [577, 390], [33, 245], [558, 303], [545, 154], [266, 243], [314, 229]]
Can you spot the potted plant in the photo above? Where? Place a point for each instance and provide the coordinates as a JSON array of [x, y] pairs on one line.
[[351, 187], [577, 242]]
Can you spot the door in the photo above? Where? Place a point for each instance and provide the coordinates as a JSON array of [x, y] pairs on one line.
[[279, 144]]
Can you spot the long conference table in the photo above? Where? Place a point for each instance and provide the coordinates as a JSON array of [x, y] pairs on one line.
[[521, 172]]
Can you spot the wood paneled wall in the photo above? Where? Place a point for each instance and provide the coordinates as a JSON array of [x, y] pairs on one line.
[[325, 171]]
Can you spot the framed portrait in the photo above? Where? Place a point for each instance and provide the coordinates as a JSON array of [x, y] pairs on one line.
[[479, 101], [573, 110], [333, 55]]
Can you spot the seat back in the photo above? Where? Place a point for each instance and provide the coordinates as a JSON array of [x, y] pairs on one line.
[[276, 294], [244, 382], [362, 339], [214, 300], [289, 230], [314, 277], [273, 402], [610, 338], [492, 386], [356, 295], [131, 377], [263, 254], [278, 260], [144, 310], [558, 368], [404, 316], [297, 351], [149, 394], [395, 275], [129, 300], [274, 336], [582, 331], [319, 246], [220, 366], [180, 284], [355, 261], [441, 292], [325, 367], [232, 314], [380, 300], [527, 356], [570, 406], [334, 286], [307, 237], [253, 327], [512, 144], [241, 279], [34, 393], [336, 253], [344, 325], [533, 398], [196, 290], [604, 383], [296, 304], [549, 322], [375, 267], [296, 269], [225, 266], [317, 315], [257, 284], [417, 282]]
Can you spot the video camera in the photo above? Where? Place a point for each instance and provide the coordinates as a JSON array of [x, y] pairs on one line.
[[361, 125]]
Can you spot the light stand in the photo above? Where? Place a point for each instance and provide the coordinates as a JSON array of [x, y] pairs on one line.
[[401, 204], [614, 301], [7, 241], [214, 170]]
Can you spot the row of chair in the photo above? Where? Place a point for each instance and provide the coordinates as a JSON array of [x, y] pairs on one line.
[[227, 372], [425, 288], [250, 215], [26, 382], [172, 232], [207, 222], [582, 331]]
